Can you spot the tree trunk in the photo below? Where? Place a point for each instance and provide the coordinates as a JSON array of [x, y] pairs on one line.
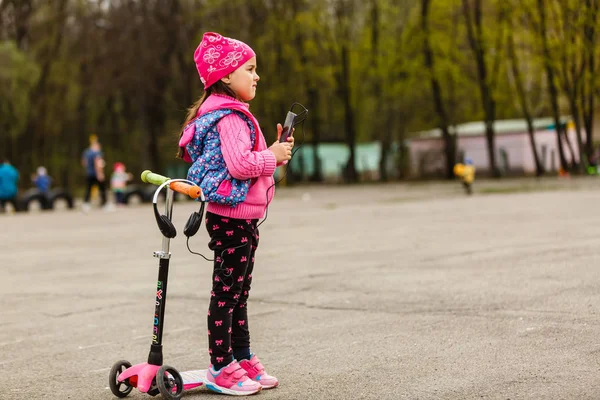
[[144, 124], [384, 131], [153, 116], [32, 133], [516, 72], [575, 115], [436, 90], [587, 94], [81, 125], [570, 147], [131, 139], [23, 15], [313, 100], [344, 11], [401, 153], [551, 83], [572, 74], [350, 173], [474, 34], [386, 144]]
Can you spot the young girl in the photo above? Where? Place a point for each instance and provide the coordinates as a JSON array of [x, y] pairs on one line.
[[234, 168], [118, 182]]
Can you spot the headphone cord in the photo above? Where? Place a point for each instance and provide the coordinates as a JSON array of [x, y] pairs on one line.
[[187, 242]]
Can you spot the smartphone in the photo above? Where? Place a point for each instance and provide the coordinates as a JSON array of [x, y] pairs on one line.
[[288, 126]]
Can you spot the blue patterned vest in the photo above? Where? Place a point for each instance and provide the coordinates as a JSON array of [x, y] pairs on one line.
[[208, 168]]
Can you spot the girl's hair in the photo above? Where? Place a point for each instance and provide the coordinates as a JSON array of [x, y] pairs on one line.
[[218, 87]]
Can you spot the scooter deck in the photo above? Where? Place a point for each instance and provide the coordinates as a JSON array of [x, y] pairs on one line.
[[193, 379]]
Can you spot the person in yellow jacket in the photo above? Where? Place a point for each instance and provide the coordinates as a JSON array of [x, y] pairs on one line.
[[466, 173]]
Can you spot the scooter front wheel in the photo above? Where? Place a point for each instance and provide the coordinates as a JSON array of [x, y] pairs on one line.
[[169, 382], [119, 389]]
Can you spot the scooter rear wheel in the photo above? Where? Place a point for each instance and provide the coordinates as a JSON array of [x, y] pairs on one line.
[[119, 389], [169, 382]]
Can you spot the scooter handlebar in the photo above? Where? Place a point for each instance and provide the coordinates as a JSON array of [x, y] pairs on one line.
[[181, 187], [185, 188], [155, 179]]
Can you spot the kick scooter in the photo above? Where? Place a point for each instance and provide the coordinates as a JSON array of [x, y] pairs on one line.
[[153, 377]]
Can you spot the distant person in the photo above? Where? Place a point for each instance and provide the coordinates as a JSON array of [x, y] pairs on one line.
[[42, 180], [9, 176], [118, 182], [466, 173], [93, 162]]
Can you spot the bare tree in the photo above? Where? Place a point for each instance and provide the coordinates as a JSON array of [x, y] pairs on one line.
[[521, 96], [39, 104], [486, 79], [436, 90], [550, 75], [571, 67], [590, 80]]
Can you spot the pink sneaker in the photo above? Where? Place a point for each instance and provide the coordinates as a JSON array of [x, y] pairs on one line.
[[257, 373], [232, 380]]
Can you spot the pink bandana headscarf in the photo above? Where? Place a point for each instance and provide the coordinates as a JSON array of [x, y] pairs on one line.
[[217, 56]]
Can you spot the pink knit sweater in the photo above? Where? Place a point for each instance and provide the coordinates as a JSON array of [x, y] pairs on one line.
[[242, 160]]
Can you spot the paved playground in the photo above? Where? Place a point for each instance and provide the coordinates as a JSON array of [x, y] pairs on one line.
[[399, 291]]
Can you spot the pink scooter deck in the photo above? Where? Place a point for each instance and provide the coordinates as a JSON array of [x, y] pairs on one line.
[[193, 379], [146, 373]]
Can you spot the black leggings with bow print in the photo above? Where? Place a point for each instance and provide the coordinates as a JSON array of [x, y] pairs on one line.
[[234, 242]]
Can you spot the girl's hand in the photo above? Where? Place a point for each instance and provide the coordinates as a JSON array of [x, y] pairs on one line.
[[290, 138], [282, 151]]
